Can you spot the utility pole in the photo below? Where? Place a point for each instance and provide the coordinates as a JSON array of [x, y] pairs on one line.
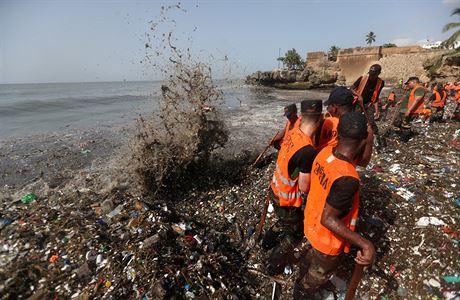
[[279, 55]]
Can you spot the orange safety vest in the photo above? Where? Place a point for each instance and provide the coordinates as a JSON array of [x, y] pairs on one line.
[[362, 84], [284, 187], [325, 171], [419, 108], [328, 136], [391, 97], [439, 101]]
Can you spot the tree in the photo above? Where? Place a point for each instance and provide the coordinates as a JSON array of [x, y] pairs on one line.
[[370, 38], [450, 42], [389, 45], [333, 52], [292, 60]]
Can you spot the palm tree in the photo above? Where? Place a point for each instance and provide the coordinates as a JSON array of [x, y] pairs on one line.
[[370, 38], [450, 42]]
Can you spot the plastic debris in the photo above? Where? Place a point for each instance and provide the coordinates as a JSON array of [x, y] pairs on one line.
[[425, 221], [28, 198]]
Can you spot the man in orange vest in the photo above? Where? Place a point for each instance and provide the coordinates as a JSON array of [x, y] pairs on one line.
[[412, 105], [340, 101], [332, 208], [290, 112], [438, 101], [369, 87], [291, 180]]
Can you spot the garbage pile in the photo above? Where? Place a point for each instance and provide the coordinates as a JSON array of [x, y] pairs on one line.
[[81, 243]]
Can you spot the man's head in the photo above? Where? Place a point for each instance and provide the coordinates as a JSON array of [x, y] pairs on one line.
[[290, 112], [374, 71], [340, 101], [412, 81], [352, 131], [311, 111]]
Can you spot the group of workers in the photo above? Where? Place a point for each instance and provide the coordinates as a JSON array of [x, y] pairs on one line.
[[315, 185], [432, 107]]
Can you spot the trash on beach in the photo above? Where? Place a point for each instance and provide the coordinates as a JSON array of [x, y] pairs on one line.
[[425, 221], [28, 198]]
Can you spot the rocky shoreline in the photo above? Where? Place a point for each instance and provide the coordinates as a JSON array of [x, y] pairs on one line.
[[443, 66]]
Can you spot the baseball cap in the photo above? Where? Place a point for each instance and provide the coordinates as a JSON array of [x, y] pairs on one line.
[[352, 125], [290, 109], [340, 96], [311, 106], [412, 78]]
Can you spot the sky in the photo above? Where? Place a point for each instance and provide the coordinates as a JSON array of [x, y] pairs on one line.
[[84, 41]]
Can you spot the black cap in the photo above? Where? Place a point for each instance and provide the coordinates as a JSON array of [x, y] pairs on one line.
[[290, 109], [340, 96], [375, 68], [412, 78], [352, 125], [311, 106]]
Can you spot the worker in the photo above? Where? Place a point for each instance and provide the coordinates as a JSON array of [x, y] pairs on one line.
[[391, 101], [331, 213], [291, 182], [412, 105], [290, 112], [340, 101], [369, 87], [438, 102]]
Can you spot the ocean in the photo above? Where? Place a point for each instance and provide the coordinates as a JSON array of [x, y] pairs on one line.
[[27, 109]]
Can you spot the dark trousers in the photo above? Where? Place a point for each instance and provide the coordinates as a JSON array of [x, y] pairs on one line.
[[290, 221]]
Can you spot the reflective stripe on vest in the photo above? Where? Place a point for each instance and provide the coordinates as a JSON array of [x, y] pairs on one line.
[[326, 170], [283, 186], [362, 84]]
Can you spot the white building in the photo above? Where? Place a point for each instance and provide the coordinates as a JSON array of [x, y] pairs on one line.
[[427, 44]]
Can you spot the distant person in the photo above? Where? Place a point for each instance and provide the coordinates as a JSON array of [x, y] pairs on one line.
[[438, 102], [291, 181], [332, 210], [290, 112], [340, 101], [400, 83], [412, 106], [390, 102], [369, 87]]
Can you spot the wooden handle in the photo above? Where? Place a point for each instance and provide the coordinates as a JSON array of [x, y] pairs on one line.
[[265, 150], [354, 281]]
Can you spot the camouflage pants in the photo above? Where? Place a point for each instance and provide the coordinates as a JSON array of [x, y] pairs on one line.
[[315, 269]]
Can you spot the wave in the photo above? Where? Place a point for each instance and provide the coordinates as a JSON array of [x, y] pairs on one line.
[[68, 103]]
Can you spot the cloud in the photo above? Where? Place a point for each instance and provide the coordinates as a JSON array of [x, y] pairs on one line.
[[403, 41], [451, 2]]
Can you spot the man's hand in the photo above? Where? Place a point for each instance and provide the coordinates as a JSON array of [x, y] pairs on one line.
[[377, 115], [407, 114], [366, 255]]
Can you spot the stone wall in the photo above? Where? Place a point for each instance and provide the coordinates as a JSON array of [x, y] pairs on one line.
[[397, 62], [354, 61], [316, 57]]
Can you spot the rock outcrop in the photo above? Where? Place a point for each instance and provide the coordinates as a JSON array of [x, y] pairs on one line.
[[312, 76], [444, 68]]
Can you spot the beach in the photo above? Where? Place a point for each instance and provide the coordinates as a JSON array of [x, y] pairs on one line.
[[89, 234]]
